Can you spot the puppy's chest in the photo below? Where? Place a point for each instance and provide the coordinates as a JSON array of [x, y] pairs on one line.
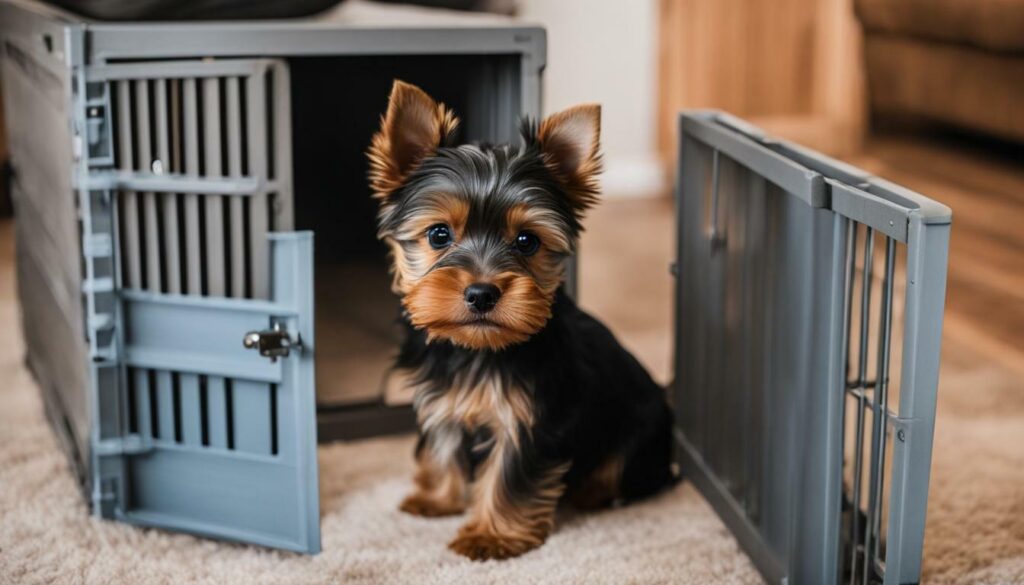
[[490, 401]]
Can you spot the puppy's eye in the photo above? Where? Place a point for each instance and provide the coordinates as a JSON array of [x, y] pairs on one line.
[[526, 243], [439, 236]]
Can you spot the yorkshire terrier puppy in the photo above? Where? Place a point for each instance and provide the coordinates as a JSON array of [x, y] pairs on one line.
[[521, 397]]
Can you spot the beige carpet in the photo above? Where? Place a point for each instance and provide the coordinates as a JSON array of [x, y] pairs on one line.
[[47, 537]]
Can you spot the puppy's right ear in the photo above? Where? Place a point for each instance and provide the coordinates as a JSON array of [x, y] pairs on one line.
[[414, 127]]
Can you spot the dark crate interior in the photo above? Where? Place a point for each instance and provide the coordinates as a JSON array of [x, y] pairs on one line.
[[337, 103]]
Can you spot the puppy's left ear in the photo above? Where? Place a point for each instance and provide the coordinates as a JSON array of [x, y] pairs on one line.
[[571, 143], [414, 127]]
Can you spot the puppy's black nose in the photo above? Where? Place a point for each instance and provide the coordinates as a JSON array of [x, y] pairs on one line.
[[481, 297]]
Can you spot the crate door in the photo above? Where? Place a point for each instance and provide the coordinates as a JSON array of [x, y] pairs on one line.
[[216, 300], [809, 304]]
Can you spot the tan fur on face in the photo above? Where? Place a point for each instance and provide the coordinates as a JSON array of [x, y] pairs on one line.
[[436, 304], [433, 209], [407, 267], [547, 266], [434, 299], [545, 223]]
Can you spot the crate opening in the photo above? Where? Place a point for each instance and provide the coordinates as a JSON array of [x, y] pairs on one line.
[[336, 104]]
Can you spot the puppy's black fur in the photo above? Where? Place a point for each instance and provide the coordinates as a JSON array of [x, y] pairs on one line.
[[592, 400]]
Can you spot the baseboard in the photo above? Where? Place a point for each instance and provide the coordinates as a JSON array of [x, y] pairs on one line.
[[632, 177]]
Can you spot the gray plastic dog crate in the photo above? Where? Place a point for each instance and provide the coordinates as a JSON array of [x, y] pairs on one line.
[[160, 170], [809, 301]]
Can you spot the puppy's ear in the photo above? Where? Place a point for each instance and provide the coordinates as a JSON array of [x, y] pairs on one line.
[[414, 127], [571, 141]]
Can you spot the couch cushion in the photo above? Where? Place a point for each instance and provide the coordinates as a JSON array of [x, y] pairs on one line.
[[991, 24], [979, 90]]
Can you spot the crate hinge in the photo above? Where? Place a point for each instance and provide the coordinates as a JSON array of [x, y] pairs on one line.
[[127, 445], [102, 320]]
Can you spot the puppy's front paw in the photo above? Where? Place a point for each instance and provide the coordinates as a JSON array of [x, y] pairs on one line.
[[419, 505], [480, 546]]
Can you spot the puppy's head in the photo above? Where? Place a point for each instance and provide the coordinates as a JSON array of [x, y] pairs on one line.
[[480, 235]]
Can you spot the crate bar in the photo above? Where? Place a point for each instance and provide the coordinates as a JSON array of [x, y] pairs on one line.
[[281, 102], [193, 263], [851, 278], [190, 411], [132, 249], [213, 204], [817, 523], [259, 224], [252, 412], [197, 69], [862, 361], [226, 305], [165, 390], [216, 410], [143, 128], [880, 415], [169, 201], [178, 183], [737, 282], [756, 316], [143, 414], [712, 334], [233, 105], [927, 260], [698, 252]]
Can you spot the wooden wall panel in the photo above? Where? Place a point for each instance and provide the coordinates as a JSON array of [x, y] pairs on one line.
[[789, 64]]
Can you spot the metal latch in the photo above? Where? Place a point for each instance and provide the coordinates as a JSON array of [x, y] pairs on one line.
[[273, 343], [95, 120]]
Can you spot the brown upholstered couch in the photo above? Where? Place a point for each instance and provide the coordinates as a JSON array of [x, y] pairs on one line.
[[959, 62]]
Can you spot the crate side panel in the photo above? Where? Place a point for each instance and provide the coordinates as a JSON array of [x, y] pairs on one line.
[[47, 232]]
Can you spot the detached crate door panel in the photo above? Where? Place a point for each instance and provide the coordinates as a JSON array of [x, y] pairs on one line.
[[218, 436], [806, 431]]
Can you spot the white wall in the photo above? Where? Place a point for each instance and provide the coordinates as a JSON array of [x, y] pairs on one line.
[[605, 51]]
